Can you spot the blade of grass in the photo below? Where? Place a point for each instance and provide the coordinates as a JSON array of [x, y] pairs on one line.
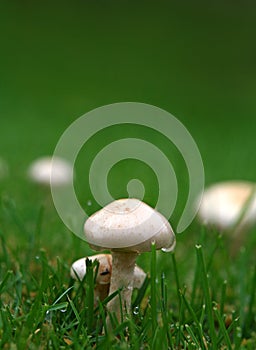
[[211, 255], [141, 293], [176, 275], [237, 338], [7, 323], [163, 294], [74, 309], [195, 285], [5, 255], [223, 296], [153, 302], [196, 321], [229, 331], [192, 335], [202, 317], [208, 301], [179, 325], [243, 292], [180, 333], [3, 283], [244, 210], [164, 311], [62, 295], [54, 307], [250, 313], [222, 327], [89, 300]]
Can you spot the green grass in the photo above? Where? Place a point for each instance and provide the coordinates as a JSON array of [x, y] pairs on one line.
[[198, 297]]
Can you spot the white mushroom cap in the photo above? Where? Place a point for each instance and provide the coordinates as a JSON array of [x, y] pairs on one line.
[[223, 203], [48, 170], [128, 225], [78, 270]]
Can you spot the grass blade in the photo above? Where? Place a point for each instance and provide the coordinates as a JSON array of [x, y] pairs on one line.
[[192, 335], [223, 296], [208, 301], [153, 301], [250, 314], [176, 275], [195, 320], [89, 302], [5, 280], [222, 327]]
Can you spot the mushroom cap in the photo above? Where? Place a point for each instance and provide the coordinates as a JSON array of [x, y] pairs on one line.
[[128, 225], [223, 203], [78, 270], [48, 170]]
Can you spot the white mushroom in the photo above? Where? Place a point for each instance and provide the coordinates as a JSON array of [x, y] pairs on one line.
[[78, 271], [48, 170], [229, 205], [127, 227]]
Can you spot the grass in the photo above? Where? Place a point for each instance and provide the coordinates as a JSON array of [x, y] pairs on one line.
[[196, 298]]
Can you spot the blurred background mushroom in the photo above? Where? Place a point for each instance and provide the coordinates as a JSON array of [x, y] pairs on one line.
[[229, 206], [48, 170]]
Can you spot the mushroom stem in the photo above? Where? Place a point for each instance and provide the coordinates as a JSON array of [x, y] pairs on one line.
[[123, 264]]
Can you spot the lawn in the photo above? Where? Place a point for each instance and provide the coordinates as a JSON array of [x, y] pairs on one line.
[[58, 61]]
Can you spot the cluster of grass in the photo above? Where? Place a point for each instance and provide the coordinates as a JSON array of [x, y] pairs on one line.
[[196, 298]]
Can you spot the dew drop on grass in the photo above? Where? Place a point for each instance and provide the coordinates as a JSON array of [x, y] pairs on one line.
[[89, 203], [136, 310], [170, 248], [167, 250], [48, 316]]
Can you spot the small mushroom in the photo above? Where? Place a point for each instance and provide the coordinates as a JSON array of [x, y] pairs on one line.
[[78, 271], [226, 204], [230, 207], [51, 171], [127, 227]]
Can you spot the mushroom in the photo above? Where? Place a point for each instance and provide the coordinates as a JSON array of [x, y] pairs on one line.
[[231, 207], [127, 227], [226, 204], [51, 171], [78, 271]]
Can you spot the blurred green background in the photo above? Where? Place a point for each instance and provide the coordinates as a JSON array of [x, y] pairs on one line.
[[60, 59]]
